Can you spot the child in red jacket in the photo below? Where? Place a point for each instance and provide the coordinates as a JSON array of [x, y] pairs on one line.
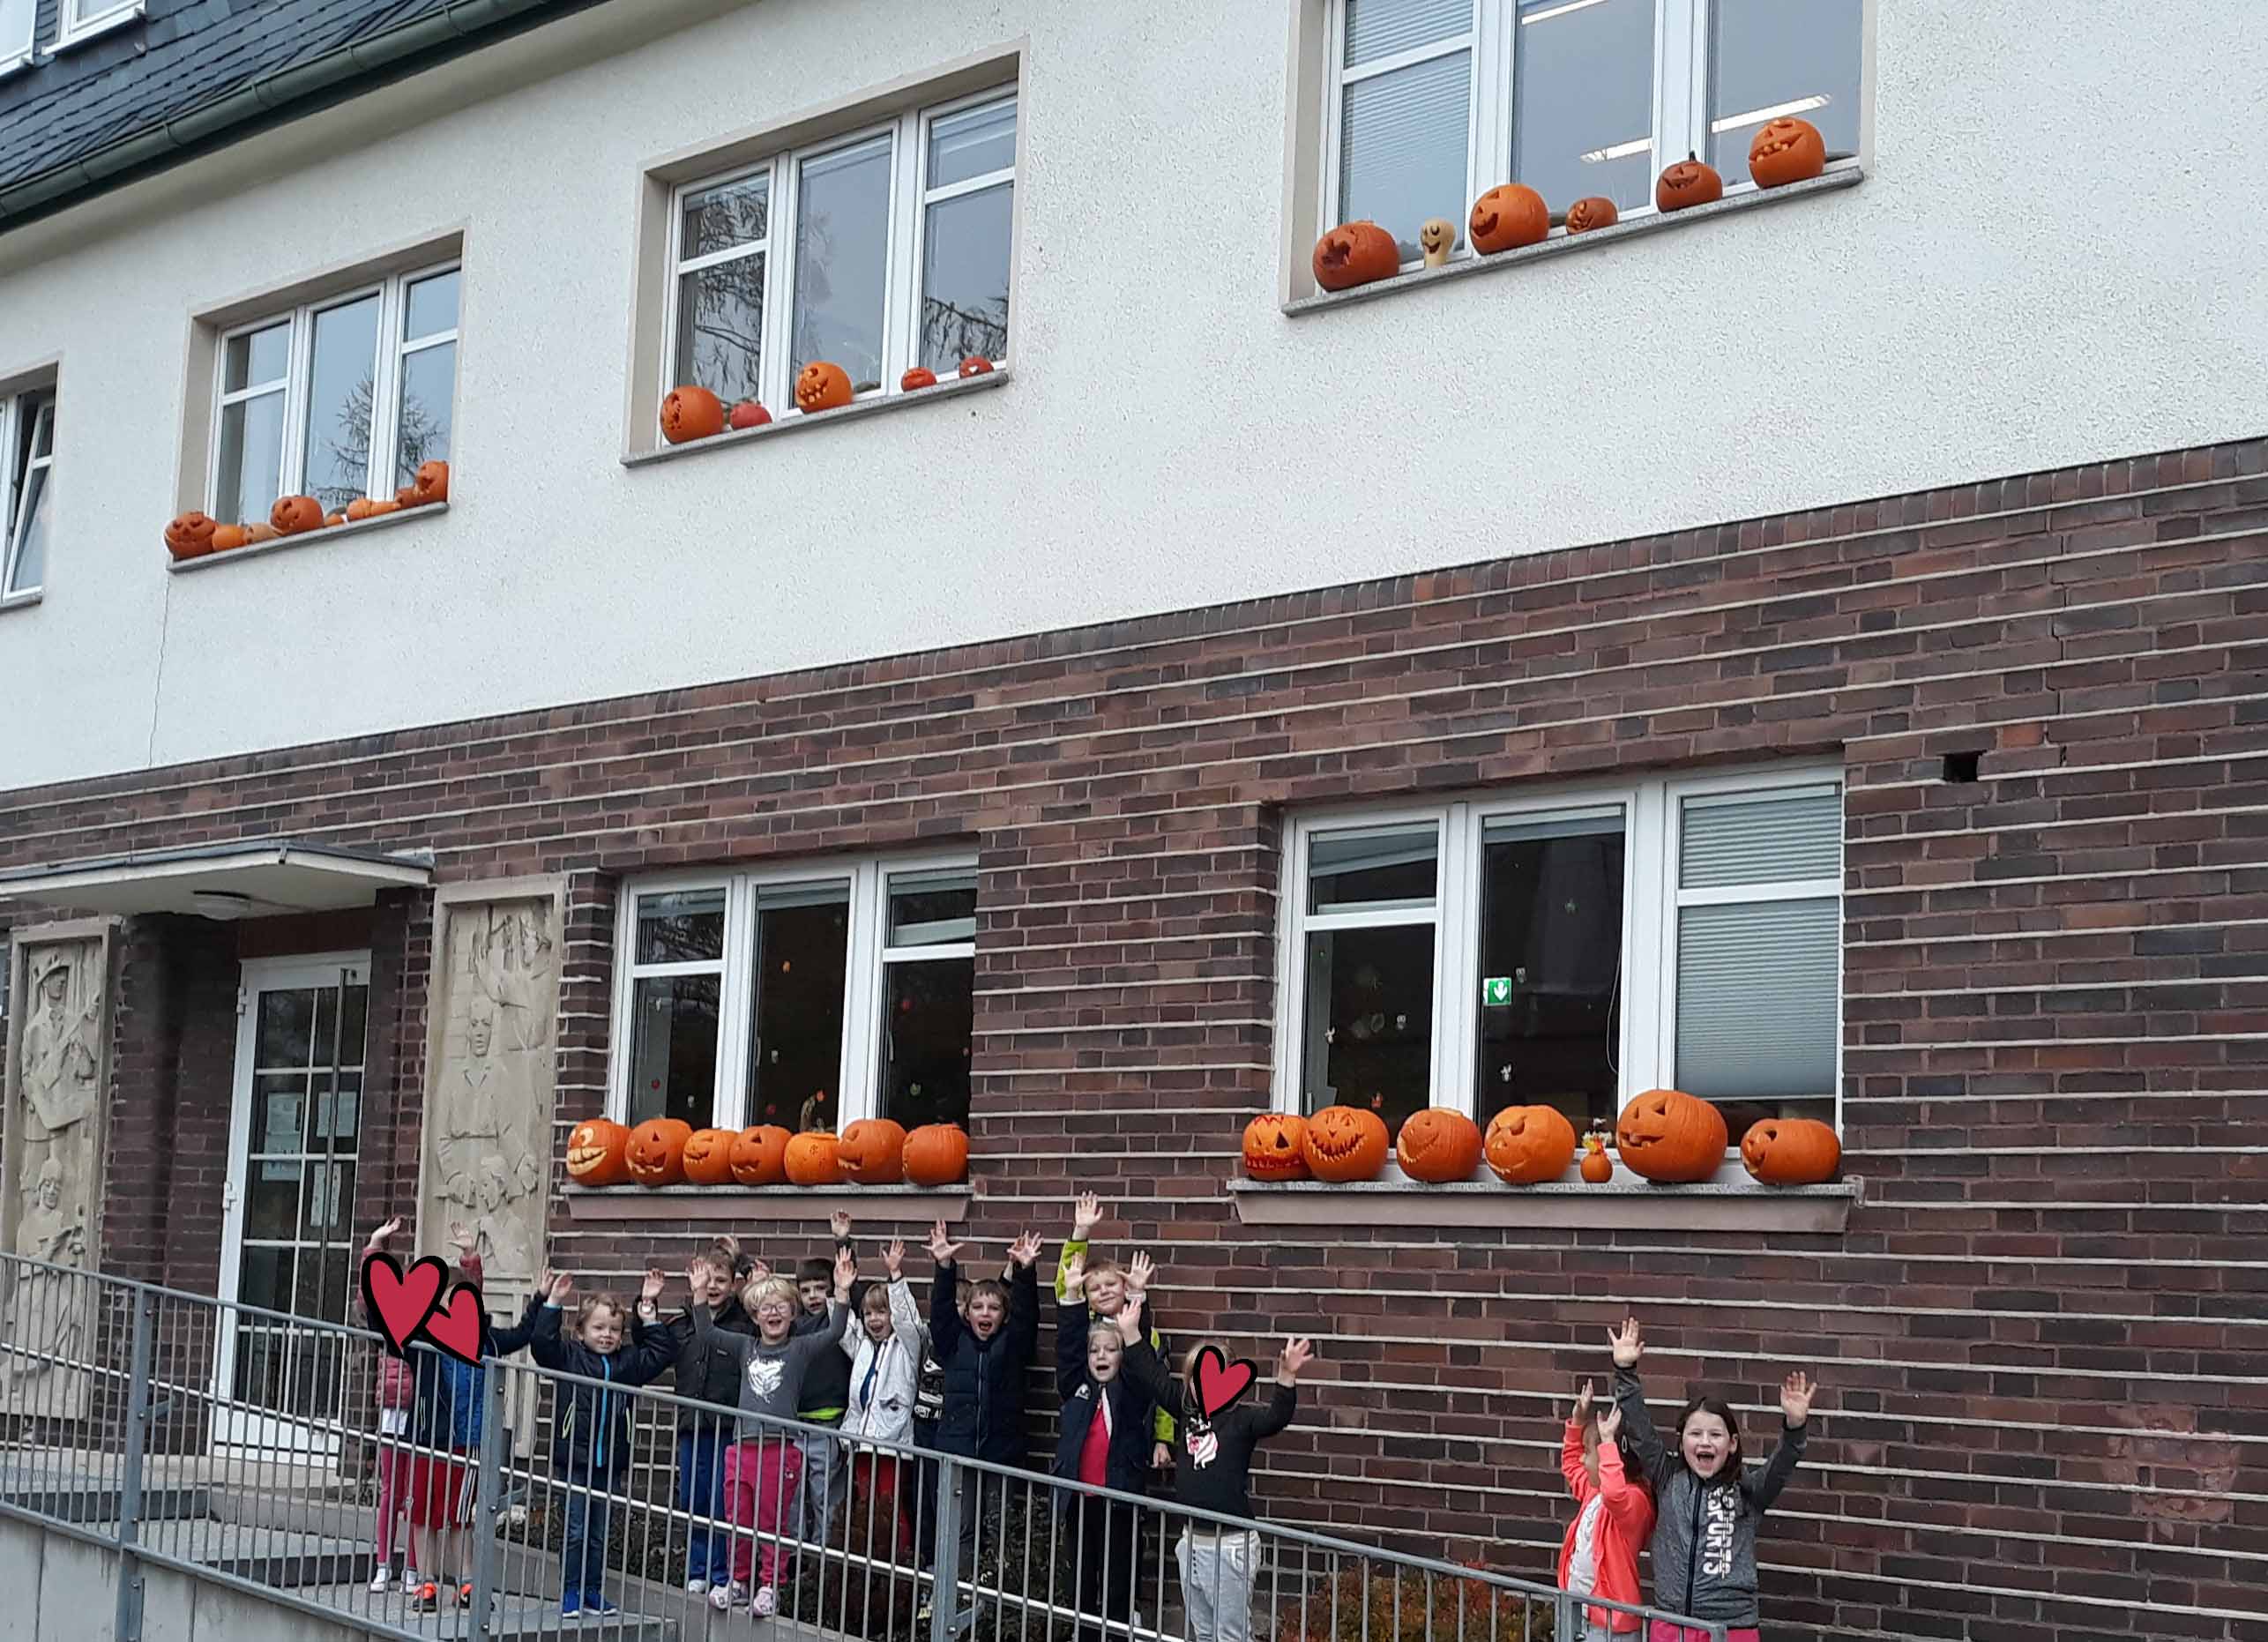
[[1613, 1518]]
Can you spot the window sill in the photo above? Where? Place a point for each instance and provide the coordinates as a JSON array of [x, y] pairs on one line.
[[21, 601], [855, 411], [678, 1203], [306, 539], [16, 64], [95, 30], [1622, 1204], [1847, 174]]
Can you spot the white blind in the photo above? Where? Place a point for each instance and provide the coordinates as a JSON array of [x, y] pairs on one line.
[[1766, 838], [1380, 28]]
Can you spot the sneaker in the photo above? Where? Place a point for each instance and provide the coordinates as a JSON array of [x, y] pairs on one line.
[[465, 1594], [380, 1582], [570, 1606], [721, 1597], [598, 1605], [767, 1602], [428, 1598], [697, 1587]]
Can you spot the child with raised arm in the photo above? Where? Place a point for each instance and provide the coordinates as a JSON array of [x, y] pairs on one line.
[[1614, 1517], [885, 1353], [986, 1356], [1708, 1507], [1104, 1442], [1106, 1286], [826, 1392], [711, 1375]]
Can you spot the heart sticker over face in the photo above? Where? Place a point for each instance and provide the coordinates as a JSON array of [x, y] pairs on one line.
[[455, 1325], [399, 1302], [1219, 1382]]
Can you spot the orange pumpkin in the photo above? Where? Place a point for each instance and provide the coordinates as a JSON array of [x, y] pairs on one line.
[[1345, 1143], [1438, 1144], [1507, 217], [369, 507], [1355, 253], [227, 536], [1596, 211], [1668, 1135], [691, 413], [329, 520], [597, 1153], [1690, 182], [709, 1156], [749, 414], [976, 365], [293, 514], [872, 1152], [919, 377], [1786, 151], [1529, 1145], [821, 386], [406, 496], [190, 536], [1791, 1152], [1598, 1168], [657, 1150], [759, 1155], [811, 1160], [431, 483], [1272, 1143], [937, 1154]]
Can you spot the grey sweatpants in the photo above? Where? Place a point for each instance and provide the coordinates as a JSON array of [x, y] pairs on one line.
[[1217, 1572]]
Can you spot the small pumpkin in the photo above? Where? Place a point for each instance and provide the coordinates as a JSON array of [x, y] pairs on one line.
[[597, 1153], [190, 536], [369, 507], [759, 1155], [1595, 212], [689, 413], [937, 1154], [811, 1160], [919, 377], [1668, 1135], [872, 1152], [1507, 217], [257, 534], [1791, 1152], [1786, 151], [1272, 1146], [1355, 253], [1345, 1143], [657, 1150], [293, 514], [330, 519], [1527, 1146], [976, 365], [821, 386], [709, 1156], [227, 536], [1598, 1168], [1691, 181], [1438, 1144], [431, 483], [748, 413]]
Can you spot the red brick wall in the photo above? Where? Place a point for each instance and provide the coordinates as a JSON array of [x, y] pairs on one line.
[[2041, 1338]]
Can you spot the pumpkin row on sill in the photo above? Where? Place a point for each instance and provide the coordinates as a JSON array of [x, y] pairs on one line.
[[689, 413], [669, 1152], [1663, 1135], [193, 535]]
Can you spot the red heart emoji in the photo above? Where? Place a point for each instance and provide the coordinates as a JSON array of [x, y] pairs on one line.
[[455, 1325], [399, 1303], [1219, 1383]]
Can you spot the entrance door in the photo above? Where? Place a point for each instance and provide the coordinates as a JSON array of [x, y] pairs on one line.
[[288, 1243]]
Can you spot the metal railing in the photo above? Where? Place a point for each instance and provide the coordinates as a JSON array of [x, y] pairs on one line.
[[132, 1417]]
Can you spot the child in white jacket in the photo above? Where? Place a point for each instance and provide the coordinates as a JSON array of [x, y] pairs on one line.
[[886, 1358]]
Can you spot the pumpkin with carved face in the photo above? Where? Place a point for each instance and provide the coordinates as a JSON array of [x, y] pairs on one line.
[[1598, 1168], [293, 514], [190, 536], [1507, 217], [759, 1156], [1690, 182], [709, 1156], [1668, 1135], [811, 1160], [431, 483], [976, 365], [1345, 1143], [1786, 151], [1273, 1145], [597, 1153], [1438, 1144], [872, 1152], [821, 386], [1527, 1146], [1355, 253], [937, 1154], [1596, 211], [914, 380], [1791, 1152], [657, 1150], [691, 413]]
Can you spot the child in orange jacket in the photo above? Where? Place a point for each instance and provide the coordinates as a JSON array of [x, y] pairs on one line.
[[1613, 1518]]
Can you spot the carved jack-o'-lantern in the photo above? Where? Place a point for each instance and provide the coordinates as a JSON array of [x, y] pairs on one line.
[[190, 536], [431, 483], [657, 1150], [821, 386], [1786, 151], [937, 1154], [811, 1160], [691, 413], [1598, 1168], [1438, 1144], [1355, 253], [709, 1156], [914, 380], [1529, 1145], [370, 507], [1507, 217], [1273, 1145], [1595, 212], [872, 1152], [1345, 1143], [759, 1155], [749, 414], [293, 514], [1690, 183], [597, 1153], [227, 536], [1668, 1135], [976, 365], [1791, 1152]]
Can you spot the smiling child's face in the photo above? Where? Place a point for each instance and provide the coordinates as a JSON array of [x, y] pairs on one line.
[[1705, 1443], [774, 1316], [985, 1316], [602, 1330], [1106, 1353], [875, 1315], [814, 1291], [1106, 1293]]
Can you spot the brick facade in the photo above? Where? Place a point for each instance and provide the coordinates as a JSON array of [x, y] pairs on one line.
[[2041, 1337]]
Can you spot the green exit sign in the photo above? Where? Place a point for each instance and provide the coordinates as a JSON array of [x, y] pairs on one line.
[[1497, 992]]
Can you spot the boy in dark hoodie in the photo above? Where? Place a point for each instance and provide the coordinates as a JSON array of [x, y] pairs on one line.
[[709, 1374], [985, 1356], [1105, 1442]]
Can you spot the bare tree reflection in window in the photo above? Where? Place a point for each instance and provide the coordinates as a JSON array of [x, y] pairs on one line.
[[420, 437], [951, 331]]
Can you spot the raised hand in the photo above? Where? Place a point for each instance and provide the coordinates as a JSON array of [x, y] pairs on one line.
[[943, 1249], [893, 1258], [650, 1290], [543, 1281], [562, 1286], [1139, 1270], [1074, 1276], [1025, 1249], [1625, 1342], [758, 1271], [1610, 1423], [380, 1238], [1582, 1404], [1085, 1216], [840, 1223], [1796, 1393], [1130, 1320], [1297, 1353], [846, 1274]]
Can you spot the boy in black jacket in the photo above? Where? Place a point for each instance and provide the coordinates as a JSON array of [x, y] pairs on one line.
[[985, 1358], [1104, 1442], [711, 1374]]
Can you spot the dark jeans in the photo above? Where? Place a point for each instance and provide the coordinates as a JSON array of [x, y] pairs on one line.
[[1107, 1538], [701, 1496], [583, 1558]]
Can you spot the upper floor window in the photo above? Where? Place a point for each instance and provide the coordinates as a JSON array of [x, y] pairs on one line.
[[27, 447], [337, 398], [1432, 102], [805, 996], [75, 18], [18, 19]]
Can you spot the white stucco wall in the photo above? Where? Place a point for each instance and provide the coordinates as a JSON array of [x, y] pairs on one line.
[[2056, 258]]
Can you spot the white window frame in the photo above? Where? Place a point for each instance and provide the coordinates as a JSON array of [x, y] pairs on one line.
[[20, 52], [84, 19], [868, 956], [15, 487], [297, 382], [910, 197], [1653, 811]]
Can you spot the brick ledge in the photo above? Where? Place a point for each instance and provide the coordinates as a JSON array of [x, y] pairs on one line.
[[1621, 1204], [919, 1204]]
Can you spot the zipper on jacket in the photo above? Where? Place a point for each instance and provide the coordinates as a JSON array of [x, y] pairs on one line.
[[1693, 1556]]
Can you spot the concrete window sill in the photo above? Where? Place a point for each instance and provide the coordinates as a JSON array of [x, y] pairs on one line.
[[21, 601], [1623, 1203], [857, 410], [1844, 174], [919, 1205], [328, 534]]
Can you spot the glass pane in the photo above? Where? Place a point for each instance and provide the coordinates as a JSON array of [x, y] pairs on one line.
[[327, 1204], [257, 356], [1767, 54], [1367, 870], [933, 910], [265, 1276], [1370, 1020], [28, 568], [279, 1113], [842, 260], [1401, 147], [1755, 1000], [351, 1046], [684, 927], [429, 387], [1379, 28], [286, 1026], [252, 460], [431, 307], [16, 19], [1769, 839], [929, 1016], [965, 278], [975, 142], [720, 328], [802, 956], [731, 213], [43, 431], [339, 404], [272, 1204], [673, 1049], [1551, 963], [338, 1112], [1582, 95]]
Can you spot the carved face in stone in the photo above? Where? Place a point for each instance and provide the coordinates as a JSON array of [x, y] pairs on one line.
[[481, 1031], [49, 1189], [54, 984], [494, 1189]]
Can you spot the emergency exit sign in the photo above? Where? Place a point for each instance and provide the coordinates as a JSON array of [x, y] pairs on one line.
[[1497, 992]]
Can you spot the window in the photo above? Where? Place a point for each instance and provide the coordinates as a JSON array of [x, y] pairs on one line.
[[83, 17], [811, 997], [336, 399], [879, 249], [17, 21], [1431, 102], [1487, 953], [27, 438]]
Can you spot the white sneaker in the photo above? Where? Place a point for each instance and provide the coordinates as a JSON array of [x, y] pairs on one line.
[[697, 1587], [721, 1597], [767, 1602], [380, 1582]]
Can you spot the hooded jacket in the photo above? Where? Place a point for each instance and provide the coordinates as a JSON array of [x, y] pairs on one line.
[[591, 1437], [984, 1378], [1129, 1410], [444, 1395], [882, 1376], [706, 1371], [1625, 1522]]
